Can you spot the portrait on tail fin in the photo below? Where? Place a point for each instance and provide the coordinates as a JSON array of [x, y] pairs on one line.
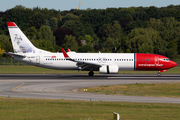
[[20, 45]]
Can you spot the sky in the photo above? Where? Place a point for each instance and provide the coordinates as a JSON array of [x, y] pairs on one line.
[[93, 4]]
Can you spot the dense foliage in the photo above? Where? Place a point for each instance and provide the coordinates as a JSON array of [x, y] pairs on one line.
[[134, 29]]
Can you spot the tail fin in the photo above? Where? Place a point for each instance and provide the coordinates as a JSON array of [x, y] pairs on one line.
[[20, 42]]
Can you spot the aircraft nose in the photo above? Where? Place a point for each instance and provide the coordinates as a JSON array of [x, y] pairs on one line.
[[173, 64]]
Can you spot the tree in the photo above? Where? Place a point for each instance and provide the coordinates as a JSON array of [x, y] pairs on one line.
[[32, 33], [171, 52], [53, 23], [76, 26], [45, 45], [60, 34], [70, 42], [111, 36], [1, 50], [111, 44], [152, 12], [141, 40], [6, 43], [45, 33], [89, 39], [136, 24], [37, 20], [86, 48]]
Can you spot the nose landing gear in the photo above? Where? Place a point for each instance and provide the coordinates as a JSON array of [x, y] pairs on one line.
[[159, 72]]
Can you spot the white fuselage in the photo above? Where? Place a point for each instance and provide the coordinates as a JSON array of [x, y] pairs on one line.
[[57, 60]]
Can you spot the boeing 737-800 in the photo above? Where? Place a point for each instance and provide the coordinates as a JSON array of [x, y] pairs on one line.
[[106, 63]]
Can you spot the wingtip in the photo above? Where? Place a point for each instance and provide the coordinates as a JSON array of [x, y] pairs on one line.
[[69, 50]]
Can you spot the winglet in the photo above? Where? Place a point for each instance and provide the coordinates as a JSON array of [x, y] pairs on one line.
[[64, 53], [69, 50]]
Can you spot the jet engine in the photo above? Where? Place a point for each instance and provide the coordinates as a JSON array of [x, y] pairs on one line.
[[109, 69]]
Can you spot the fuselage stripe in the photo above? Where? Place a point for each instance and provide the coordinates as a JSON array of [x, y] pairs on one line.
[[134, 61]]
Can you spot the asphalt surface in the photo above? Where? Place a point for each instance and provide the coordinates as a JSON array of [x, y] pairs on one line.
[[65, 86]]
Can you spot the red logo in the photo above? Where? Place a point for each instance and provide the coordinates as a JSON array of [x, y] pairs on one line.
[[53, 56]]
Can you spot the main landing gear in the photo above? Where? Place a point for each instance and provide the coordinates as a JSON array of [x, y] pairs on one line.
[[91, 73], [158, 74]]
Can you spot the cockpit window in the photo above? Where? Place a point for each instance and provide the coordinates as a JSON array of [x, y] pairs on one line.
[[166, 59]]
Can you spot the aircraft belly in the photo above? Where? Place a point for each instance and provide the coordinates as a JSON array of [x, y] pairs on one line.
[[126, 66]]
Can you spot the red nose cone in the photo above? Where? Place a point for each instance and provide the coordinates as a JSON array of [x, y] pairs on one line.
[[174, 64]]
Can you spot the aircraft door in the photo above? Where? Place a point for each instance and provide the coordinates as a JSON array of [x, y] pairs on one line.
[[37, 59], [156, 60]]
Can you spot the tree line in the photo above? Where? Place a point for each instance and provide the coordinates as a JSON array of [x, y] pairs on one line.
[[117, 30]]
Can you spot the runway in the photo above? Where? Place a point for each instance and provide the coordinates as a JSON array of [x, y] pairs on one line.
[[65, 86]]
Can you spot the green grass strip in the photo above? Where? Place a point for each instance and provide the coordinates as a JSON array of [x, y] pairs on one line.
[[40, 109], [171, 90]]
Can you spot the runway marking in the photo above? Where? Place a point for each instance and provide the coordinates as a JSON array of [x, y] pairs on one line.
[[17, 87]]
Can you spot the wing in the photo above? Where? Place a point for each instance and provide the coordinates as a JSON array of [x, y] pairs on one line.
[[83, 65]]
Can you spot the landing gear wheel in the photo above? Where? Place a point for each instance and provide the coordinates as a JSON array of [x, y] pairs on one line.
[[159, 74], [91, 73]]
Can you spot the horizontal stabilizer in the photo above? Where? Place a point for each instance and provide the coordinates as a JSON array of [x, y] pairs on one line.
[[15, 54]]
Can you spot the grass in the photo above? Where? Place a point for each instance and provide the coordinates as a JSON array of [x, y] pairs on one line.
[[20, 109], [155, 89], [37, 70]]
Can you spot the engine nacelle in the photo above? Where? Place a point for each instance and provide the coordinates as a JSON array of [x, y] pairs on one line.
[[109, 69]]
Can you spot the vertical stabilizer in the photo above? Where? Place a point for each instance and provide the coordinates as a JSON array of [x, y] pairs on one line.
[[20, 42]]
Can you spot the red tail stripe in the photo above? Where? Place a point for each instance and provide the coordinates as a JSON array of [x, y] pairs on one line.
[[12, 24]]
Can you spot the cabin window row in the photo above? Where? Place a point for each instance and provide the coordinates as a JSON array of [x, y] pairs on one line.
[[123, 59], [83, 59], [142, 59], [103, 59]]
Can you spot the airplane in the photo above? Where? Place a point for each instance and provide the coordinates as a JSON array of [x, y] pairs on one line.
[[105, 63]]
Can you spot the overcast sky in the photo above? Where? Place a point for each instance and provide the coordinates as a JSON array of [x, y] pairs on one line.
[[93, 4]]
